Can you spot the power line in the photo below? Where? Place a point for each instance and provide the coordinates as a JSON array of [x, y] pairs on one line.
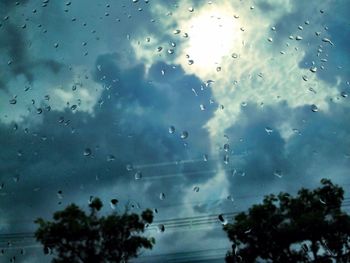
[[207, 219]]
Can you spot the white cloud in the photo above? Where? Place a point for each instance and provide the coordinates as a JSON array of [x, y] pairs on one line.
[[258, 73], [232, 43]]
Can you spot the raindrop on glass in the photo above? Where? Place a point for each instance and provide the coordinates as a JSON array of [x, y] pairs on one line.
[[129, 167], [344, 94], [226, 147], [138, 175], [87, 152], [171, 129], [205, 157], [60, 194], [184, 135], [161, 228], [314, 108], [110, 158], [278, 173], [114, 203], [230, 198], [313, 69], [268, 130], [226, 159], [222, 219]]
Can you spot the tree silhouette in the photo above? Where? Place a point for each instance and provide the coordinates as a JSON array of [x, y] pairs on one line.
[[77, 237], [310, 227]]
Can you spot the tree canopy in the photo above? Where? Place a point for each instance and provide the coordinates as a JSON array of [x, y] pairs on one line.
[[310, 227], [75, 236]]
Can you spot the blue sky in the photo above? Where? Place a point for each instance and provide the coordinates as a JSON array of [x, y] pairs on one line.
[[259, 87]]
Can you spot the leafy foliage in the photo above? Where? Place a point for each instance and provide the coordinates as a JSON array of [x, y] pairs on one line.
[[76, 237], [310, 227]]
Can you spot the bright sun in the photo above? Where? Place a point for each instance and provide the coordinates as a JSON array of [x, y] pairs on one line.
[[212, 35]]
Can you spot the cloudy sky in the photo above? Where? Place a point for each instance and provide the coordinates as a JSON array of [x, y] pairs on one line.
[[193, 108]]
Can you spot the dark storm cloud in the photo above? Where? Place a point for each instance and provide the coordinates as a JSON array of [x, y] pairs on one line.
[[318, 148], [49, 157], [14, 44], [160, 97], [326, 19]]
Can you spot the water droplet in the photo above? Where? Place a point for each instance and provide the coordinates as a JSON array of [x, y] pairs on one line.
[[230, 198], [184, 135], [177, 31], [278, 173], [298, 38], [314, 108], [190, 62], [226, 147], [270, 39], [191, 9], [171, 129], [60, 194], [56, 45], [171, 51], [312, 90], [159, 49], [162, 196], [202, 107], [196, 189], [305, 78], [300, 28], [13, 101], [234, 55], [205, 157], [222, 219], [218, 69], [327, 40], [226, 159], [114, 203], [129, 167], [87, 152], [161, 228], [16, 178], [313, 69], [240, 173], [344, 94], [138, 175], [268, 130], [110, 158]]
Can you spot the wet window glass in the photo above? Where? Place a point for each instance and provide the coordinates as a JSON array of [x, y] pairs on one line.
[[193, 109]]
